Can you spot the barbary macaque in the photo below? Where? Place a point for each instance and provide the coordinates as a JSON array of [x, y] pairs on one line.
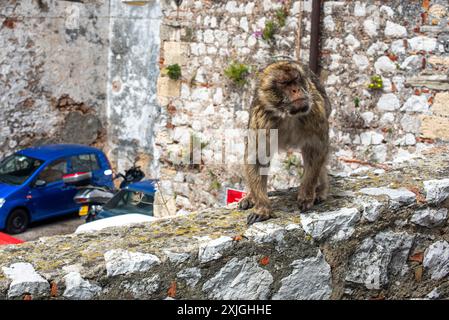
[[289, 98]]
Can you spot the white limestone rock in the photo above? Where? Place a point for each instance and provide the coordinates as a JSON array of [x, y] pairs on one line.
[[434, 294], [436, 260], [239, 280], [310, 279], [387, 118], [429, 217], [388, 102], [77, 288], [370, 27], [377, 48], [379, 152], [378, 258], [329, 23], [263, 232], [397, 47], [142, 288], [412, 63], [360, 61], [212, 250], [25, 280], [190, 275], [410, 123], [368, 117], [416, 104], [402, 195], [119, 261], [337, 225], [352, 42], [371, 137], [359, 9], [372, 208], [395, 30], [437, 191], [387, 10], [421, 43], [385, 65], [176, 257]]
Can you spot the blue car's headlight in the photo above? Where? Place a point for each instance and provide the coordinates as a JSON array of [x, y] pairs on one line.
[[2, 202]]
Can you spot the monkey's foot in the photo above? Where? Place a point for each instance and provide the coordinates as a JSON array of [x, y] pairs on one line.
[[319, 199], [257, 217], [245, 204], [305, 204]]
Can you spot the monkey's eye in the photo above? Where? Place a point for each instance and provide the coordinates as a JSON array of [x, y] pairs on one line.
[[286, 82]]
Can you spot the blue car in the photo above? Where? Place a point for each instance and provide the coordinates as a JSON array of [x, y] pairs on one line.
[[137, 197], [32, 187]]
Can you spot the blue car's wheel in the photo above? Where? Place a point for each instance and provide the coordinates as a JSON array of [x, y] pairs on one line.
[[17, 221]]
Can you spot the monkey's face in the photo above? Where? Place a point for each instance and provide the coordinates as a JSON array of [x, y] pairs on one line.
[[286, 89]]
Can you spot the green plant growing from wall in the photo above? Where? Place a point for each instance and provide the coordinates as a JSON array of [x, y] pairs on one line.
[[174, 71], [215, 184], [269, 31], [357, 102], [293, 161], [237, 72], [376, 83], [281, 16]]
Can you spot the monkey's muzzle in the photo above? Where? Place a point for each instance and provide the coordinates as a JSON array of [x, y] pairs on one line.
[[299, 106]]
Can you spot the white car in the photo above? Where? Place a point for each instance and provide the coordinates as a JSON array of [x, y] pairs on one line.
[[122, 220]]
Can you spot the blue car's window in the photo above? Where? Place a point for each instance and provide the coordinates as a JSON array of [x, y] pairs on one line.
[[128, 201], [54, 172], [16, 169], [84, 163]]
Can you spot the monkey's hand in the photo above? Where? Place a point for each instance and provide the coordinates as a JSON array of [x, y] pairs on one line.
[[262, 214], [305, 200], [246, 203]]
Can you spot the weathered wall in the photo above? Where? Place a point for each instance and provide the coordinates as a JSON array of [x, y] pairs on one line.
[[204, 37], [53, 71], [89, 72], [405, 42], [81, 72], [381, 235], [133, 68]]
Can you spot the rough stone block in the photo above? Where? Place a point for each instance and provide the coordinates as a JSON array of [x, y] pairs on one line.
[[436, 260], [310, 280], [175, 52], [440, 106], [435, 127], [25, 280], [168, 88]]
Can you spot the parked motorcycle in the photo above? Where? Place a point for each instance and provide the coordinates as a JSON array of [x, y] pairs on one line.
[[92, 198]]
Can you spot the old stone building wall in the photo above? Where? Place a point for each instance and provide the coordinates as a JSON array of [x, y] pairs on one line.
[[53, 71], [80, 72], [94, 72], [205, 38], [405, 43]]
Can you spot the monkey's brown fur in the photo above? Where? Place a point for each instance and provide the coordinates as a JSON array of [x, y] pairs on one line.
[[290, 99]]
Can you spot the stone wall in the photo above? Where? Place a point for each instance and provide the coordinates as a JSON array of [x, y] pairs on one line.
[[80, 72], [53, 71], [204, 38], [405, 43], [133, 68], [89, 72], [381, 235]]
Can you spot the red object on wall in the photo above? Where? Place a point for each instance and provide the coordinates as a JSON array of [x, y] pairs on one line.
[[234, 195], [5, 239]]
